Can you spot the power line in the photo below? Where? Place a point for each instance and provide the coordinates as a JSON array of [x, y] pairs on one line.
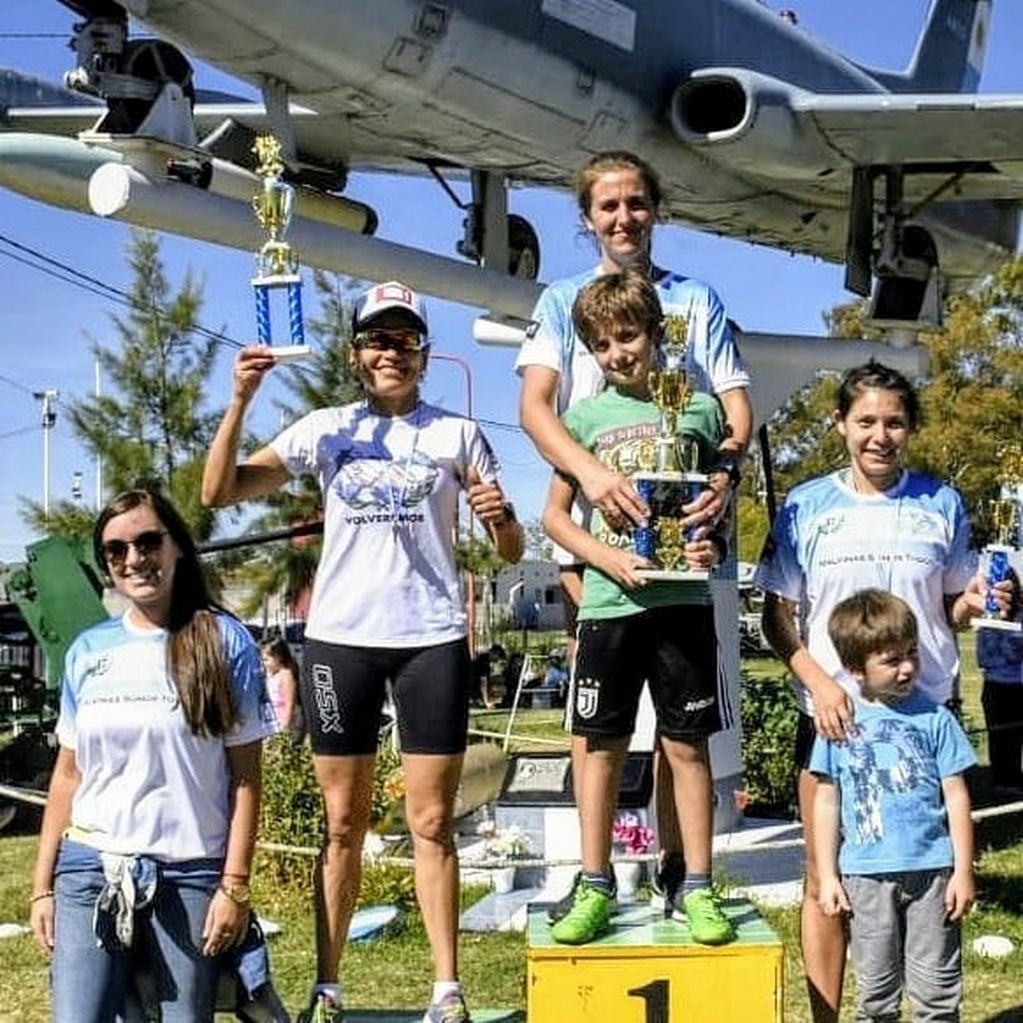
[[15, 384], [498, 425], [79, 279], [33, 35], [17, 433]]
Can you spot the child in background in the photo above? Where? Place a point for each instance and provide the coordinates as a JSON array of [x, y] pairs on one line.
[[893, 816]]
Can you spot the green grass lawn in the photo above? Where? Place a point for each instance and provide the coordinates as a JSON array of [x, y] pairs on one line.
[[395, 971]]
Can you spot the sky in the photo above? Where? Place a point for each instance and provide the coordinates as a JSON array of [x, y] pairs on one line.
[[46, 326]]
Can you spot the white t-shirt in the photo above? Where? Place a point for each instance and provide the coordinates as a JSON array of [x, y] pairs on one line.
[[387, 575], [828, 541], [149, 786]]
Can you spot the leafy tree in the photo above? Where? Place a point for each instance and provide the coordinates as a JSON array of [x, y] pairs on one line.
[[149, 426]]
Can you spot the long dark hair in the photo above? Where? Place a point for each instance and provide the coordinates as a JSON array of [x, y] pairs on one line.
[[195, 650], [278, 649]]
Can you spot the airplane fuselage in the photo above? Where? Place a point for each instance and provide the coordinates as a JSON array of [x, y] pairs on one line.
[[532, 89]]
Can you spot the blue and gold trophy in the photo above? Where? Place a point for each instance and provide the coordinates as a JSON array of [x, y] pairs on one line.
[[1005, 515], [276, 263], [674, 479]]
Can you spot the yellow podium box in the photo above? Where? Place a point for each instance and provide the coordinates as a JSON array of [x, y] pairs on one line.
[[649, 970]]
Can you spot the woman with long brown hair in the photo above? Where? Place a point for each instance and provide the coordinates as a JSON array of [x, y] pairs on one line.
[[150, 821]]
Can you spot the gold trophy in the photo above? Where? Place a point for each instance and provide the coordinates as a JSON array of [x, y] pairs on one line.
[[676, 479], [1005, 515], [276, 263]]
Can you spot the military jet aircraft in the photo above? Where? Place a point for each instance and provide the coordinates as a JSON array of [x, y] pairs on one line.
[[760, 131]]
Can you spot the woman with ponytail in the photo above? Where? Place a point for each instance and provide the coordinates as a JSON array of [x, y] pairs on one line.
[[150, 822]]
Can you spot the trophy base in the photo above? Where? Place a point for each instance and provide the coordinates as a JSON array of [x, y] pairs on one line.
[[674, 575], [1004, 624], [291, 353]]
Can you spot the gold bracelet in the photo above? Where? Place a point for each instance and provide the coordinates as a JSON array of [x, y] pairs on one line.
[[48, 894]]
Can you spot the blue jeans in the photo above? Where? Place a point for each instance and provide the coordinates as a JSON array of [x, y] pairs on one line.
[[93, 985]]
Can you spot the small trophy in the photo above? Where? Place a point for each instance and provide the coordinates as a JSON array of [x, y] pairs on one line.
[[675, 480], [276, 264], [1005, 514]]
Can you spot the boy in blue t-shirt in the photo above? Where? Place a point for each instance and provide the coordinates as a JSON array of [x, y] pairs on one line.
[[632, 632], [905, 845]]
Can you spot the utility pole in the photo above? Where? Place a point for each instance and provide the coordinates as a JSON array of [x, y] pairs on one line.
[[49, 398], [99, 457]]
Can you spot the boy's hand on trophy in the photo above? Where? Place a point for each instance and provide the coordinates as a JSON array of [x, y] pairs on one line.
[[250, 365], [701, 554], [622, 566]]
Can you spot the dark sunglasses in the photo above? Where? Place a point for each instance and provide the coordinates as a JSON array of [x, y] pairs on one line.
[[147, 543], [404, 341]]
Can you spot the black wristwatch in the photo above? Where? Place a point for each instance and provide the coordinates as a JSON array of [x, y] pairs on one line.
[[730, 466]]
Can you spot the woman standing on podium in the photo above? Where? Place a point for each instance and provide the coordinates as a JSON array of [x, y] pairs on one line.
[[873, 523], [386, 607]]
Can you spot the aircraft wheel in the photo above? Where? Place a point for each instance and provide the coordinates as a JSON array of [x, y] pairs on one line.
[[523, 248]]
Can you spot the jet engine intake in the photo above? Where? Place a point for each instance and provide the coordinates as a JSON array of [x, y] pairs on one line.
[[754, 116]]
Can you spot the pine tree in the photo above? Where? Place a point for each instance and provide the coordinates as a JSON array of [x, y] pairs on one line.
[[150, 426]]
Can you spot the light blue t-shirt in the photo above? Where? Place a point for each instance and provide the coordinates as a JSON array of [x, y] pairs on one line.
[[889, 778], [829, 541], [712, 358], [150, 786]]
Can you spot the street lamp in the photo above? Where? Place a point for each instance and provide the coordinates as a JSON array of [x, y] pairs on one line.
[[49, 398]]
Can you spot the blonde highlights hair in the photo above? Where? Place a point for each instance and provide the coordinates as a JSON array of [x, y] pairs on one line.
[[622, 299]]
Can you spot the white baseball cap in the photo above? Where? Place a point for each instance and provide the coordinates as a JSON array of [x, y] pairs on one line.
[[382, 298]]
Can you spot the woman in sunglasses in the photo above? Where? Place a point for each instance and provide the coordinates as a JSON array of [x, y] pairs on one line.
[[386, 608], [150, 821]]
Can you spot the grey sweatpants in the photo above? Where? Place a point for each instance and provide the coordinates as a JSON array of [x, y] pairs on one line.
[[900, 933]]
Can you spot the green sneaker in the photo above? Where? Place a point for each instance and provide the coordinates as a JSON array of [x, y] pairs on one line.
[[707, 921], [587, 919]]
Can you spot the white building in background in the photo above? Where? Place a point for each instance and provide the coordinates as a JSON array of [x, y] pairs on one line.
[[528, 595]]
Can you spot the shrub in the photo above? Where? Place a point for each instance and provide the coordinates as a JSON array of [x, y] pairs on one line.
[[292, 811], [769, 720]]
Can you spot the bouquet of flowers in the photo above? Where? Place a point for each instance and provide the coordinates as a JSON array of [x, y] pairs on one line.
[[504, 843], [631, 836]]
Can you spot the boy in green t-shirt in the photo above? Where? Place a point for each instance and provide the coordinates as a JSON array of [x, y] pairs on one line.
[[632, 630]]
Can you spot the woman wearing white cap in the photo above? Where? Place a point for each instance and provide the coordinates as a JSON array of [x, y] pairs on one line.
[[386, 607]]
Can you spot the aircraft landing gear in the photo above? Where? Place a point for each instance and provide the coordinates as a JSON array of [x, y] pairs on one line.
[[493, 237], [900, 256]]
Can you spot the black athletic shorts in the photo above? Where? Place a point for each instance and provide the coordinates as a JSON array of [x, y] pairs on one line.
[[673, 648], [343, 689]]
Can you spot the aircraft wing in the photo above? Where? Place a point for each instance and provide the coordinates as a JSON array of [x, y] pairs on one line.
[[982, 134]]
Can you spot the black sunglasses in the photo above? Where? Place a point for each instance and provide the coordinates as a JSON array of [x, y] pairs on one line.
[[147, 543], [404, 340]]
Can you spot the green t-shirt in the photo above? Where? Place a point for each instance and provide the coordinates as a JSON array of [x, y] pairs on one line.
[[620, 430]]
